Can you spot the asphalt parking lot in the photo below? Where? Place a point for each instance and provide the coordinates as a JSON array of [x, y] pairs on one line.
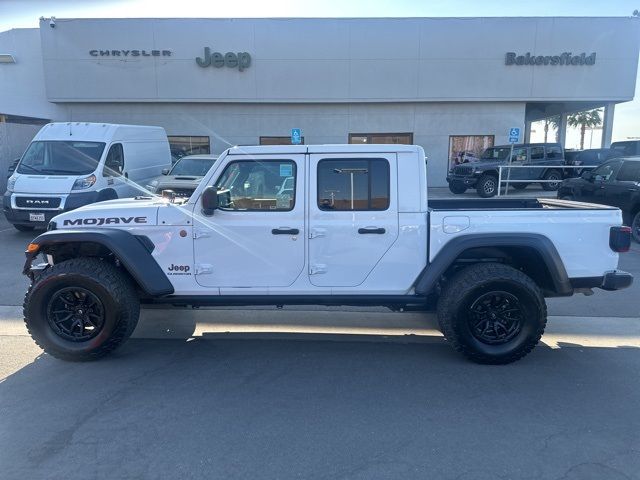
[[320, 393]]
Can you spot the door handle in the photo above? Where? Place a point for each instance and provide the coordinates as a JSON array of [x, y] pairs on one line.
[[285, 231], [373, 230]]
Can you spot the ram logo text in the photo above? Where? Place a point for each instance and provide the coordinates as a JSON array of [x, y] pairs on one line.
[[105, 221]]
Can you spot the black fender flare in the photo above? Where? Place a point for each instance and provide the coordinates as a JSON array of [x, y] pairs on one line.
[[431, 274], [133, 252]]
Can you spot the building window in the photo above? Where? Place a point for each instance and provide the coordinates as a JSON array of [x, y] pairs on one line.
[[372, 138], [182, 145], [251, 185], [467, 148], [353, 184], [278, 141]]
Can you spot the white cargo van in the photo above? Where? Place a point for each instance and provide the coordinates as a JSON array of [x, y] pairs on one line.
[[68, 165]]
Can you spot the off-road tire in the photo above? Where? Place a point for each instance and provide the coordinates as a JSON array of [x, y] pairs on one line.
[[24, 228], [457, 188], [113, 288], [469, 285], [487, 186], [552, 175], [635, 227]]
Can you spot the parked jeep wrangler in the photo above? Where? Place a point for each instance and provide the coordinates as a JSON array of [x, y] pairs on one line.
[[330, 225], [482, 174]]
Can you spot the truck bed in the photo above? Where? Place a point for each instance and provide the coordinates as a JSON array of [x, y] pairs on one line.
[[576, 229], [475, 204]]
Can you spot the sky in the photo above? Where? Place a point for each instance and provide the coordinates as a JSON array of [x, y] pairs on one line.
[[25, 13]]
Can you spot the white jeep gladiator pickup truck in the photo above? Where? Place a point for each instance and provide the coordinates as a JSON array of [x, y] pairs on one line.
[[322, 225]]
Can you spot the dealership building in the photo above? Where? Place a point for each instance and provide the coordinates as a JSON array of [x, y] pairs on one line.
[[447, 84]]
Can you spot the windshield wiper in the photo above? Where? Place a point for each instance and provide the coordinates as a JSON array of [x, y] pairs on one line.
[[33, 169]]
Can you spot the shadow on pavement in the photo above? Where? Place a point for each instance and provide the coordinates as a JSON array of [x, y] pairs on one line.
[[227, 408]]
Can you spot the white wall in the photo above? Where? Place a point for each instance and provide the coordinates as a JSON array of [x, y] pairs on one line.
[[243, 124], [341, 60], [22, 84]]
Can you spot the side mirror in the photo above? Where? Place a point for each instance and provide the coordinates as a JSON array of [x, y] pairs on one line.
[[165, 171], [587, 176], [209, 201]]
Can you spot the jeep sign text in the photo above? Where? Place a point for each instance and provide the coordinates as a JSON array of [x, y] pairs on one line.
[[240, 60]]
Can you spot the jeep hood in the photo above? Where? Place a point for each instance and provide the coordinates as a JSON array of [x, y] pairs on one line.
[[126, 212]]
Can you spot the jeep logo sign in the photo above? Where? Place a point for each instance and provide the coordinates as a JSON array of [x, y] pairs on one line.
[[240, 60]]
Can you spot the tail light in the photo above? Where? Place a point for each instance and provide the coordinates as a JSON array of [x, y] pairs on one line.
[[620, 239]]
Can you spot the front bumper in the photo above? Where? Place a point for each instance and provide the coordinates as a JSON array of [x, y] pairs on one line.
[[614, 280], [20, 216], [469, 181]]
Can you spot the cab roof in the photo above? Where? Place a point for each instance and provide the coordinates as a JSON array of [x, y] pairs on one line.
[[100, 132], [334, 148]]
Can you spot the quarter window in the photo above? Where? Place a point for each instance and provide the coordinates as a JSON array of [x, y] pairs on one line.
[[353, 184], [258, 185]]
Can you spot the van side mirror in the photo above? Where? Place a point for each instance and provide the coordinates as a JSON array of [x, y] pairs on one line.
[[209, 200], [165, 171]]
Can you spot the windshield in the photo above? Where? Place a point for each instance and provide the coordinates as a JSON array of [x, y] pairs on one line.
[[496, 153], [61, 157], [196, 167]]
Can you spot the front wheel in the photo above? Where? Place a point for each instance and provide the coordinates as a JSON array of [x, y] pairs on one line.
[[81, 309], [487, 186], [556, 178], [457, 188], [492, 313]]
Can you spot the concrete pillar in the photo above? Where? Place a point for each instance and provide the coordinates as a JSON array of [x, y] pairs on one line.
[[607, 124], [562, 129], [527, 131]]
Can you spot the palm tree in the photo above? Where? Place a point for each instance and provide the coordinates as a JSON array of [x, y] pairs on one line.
[[588, 118], [551, 121]]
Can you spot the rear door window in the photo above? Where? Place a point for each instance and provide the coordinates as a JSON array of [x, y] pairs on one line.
[[353, 184], [629, 172], [537, 153]]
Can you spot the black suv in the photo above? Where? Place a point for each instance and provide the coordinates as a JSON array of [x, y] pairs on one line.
[[616, 183], [589, 159], [482, 174]]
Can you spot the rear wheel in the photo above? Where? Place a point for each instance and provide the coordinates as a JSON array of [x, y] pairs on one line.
[[554, 175], [457, 187], [24, 228], [492, 313], [487, 186], [81, 309]]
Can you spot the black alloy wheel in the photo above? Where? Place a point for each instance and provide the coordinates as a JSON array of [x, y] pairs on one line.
[[495, 317], [75, 314]]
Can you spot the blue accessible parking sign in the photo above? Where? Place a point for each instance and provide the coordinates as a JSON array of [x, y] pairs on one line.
[[514, 134], [296, 136]]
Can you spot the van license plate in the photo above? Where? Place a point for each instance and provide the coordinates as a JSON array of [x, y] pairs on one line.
[[36, 217]]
